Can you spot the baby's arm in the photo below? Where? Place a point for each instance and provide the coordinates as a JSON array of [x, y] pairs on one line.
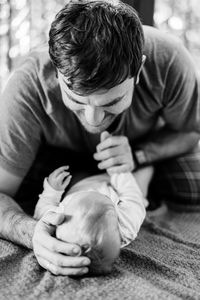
[[143, 177], [131, 206], [54, 187]]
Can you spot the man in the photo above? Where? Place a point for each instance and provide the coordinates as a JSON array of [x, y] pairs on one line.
[[105, 74]]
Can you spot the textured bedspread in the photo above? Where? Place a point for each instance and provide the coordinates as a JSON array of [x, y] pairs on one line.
[[162, 263]]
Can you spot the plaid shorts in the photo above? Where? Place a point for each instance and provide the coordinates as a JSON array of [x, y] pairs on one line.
[[177, 180]]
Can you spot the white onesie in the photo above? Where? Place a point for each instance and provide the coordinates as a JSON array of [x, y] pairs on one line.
[[122, 189]]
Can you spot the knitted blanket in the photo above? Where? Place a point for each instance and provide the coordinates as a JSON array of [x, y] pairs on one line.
[[162, 263]]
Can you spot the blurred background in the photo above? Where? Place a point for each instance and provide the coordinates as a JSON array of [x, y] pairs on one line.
[[24, 24]]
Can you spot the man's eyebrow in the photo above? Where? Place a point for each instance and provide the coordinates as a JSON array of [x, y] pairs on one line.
[[112, 102]]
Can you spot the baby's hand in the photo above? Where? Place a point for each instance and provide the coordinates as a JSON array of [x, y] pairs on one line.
[[60, 178]]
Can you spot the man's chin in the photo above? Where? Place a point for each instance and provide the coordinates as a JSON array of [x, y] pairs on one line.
[[98, 129], [94, 129]]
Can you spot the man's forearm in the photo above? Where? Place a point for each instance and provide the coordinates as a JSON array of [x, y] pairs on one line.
[[166, 144], [15, 225]]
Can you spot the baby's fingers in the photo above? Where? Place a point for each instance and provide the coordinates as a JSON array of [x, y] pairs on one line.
[[60, 170], [64, 178], [67, 181]]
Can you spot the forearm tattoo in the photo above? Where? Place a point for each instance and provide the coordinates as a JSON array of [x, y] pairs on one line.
[[16, 226]]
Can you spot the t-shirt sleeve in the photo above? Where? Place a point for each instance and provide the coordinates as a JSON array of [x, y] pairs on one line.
[[181, 99], [20, 130]]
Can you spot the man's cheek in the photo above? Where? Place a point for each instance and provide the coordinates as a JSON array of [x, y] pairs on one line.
[[73, 107], [119, 108]]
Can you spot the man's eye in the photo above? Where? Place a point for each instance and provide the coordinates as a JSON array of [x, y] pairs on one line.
[[77, 102], [73, 100]]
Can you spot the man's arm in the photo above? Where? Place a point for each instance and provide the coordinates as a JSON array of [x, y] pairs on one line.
[[179, 104], [15, 225], [164, 144]]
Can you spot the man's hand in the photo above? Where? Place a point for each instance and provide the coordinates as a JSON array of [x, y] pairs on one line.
[[56, 256], [60, 178], [115, 154]]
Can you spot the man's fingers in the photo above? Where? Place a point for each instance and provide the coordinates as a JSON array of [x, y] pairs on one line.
[[49, 220], [114, 151], [53, 218], [104, 135], [113, 161], [112, 141], [58, 257], [56, 270], [44, 239], [61, 260], [108, 153], [119, 169]]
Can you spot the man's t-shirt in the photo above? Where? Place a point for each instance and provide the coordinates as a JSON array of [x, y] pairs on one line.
[[32, 111]]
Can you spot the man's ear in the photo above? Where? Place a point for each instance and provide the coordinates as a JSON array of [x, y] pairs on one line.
[[140, 69]]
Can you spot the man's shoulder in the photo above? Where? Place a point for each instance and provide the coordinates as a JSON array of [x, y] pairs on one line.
[[37, 62], [160, 43], [37, 72]]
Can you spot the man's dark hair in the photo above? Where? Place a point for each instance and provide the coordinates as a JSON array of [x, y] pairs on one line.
[[96, 44]]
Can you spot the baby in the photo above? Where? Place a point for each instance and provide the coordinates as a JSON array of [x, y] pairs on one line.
[[103, 213]]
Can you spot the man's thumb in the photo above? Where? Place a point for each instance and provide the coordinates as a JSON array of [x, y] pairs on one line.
[[104, 135], [53, 218]]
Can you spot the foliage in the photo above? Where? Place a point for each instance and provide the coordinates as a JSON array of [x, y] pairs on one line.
[[24, 24], [181, 18]]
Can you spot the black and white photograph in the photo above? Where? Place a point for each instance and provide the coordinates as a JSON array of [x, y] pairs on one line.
[[99, 150]]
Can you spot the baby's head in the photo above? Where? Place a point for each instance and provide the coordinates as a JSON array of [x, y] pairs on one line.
[[91, 222]]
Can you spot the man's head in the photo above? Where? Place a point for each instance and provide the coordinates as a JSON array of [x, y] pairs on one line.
[[96, 46], [91, 222]]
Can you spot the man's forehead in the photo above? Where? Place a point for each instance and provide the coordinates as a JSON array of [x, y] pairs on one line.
[[103, 95]]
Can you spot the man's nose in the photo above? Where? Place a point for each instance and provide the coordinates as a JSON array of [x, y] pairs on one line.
[[94, 115]]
